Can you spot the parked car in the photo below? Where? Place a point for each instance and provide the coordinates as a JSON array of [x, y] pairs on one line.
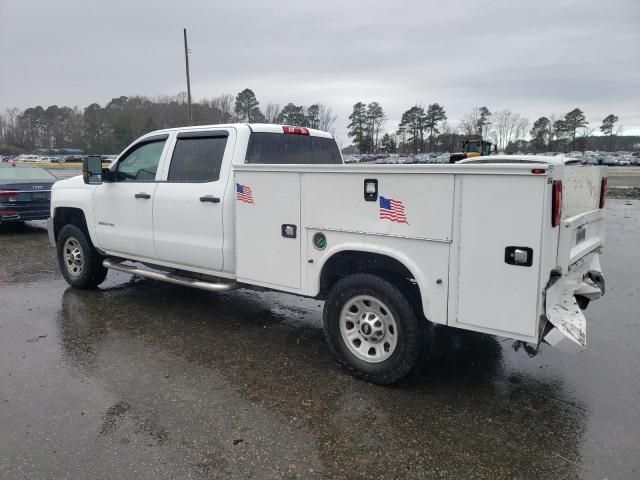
[[624, 162], [29, 158], [610, 160], [25, 193], [73, 158], [386, 246]]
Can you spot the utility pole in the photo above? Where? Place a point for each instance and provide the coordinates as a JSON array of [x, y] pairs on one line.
[[186, 61]]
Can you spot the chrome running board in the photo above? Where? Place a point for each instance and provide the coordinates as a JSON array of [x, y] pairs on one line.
[[117, 264]]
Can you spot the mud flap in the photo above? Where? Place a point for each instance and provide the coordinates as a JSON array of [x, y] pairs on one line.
[[569, 331]]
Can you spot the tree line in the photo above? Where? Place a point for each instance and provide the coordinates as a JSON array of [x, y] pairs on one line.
[[425, 129], [108, 129]]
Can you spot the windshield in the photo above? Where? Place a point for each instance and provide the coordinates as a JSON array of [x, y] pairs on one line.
[[20, 173]]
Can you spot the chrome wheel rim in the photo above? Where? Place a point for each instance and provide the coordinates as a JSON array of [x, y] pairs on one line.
[[368, 329], [73, 257]]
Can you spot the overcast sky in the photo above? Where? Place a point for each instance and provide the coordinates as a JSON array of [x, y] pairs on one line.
[[534, 57]]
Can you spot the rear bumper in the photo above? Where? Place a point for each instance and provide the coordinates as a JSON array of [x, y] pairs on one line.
[[22, 214], [567, 325]]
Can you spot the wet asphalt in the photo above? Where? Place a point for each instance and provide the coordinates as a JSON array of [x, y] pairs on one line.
[[150, 381]]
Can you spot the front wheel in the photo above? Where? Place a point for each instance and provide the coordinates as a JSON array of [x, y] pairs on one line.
[[78, 260], [372, 328]]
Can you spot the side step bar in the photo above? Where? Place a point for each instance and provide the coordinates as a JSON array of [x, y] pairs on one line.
[[117, 264]]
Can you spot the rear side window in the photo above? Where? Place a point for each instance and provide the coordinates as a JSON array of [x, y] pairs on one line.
[[273, 148], [197, 158]]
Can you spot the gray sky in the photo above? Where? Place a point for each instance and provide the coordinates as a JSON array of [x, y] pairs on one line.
[[536, 58]]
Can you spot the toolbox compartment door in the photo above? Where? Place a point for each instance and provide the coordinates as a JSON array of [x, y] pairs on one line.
[[268, 229], [497, 216]]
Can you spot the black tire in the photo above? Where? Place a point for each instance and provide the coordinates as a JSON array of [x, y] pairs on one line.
[[411, 332], [92, 272]]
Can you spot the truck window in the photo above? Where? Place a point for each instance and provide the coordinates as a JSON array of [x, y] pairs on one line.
[[197, 159], [275, 148], [141, 163]]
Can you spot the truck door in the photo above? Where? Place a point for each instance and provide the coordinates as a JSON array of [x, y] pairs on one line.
[[123, 207], [188, 207]]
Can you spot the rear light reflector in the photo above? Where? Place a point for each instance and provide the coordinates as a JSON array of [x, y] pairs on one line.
[[603, 191], [7, 193], [2, 212], [538, 171], [295, 130], [556, 203]]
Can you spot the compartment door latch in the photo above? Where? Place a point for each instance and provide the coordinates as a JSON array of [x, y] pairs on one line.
[[520, 256], [289, 230]]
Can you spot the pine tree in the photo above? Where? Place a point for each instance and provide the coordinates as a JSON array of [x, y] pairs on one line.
[[247, 107]]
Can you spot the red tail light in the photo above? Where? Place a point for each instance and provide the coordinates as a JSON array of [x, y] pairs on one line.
[[556, 203], [295, 130], [603, 191], [7, 193]]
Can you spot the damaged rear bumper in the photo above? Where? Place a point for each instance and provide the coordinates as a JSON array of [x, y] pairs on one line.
[[567, 325]]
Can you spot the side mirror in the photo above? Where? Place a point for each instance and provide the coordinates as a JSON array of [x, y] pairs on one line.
[[92, 170]]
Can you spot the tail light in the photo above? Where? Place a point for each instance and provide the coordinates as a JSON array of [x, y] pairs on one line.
[[556, 203], [7, 193], [603, 191], [295, 130]]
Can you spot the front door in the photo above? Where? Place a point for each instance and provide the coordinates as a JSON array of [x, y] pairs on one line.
[[123, 208], [188, 206]]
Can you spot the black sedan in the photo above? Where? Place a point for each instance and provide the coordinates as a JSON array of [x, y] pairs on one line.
[[25, 193]]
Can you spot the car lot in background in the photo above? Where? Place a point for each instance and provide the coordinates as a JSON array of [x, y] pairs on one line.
[[25, 193]]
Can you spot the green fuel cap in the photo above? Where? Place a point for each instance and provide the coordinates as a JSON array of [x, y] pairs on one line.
[[319, 241]]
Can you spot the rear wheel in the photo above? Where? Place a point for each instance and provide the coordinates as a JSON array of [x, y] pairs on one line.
[[372, 328], [78, 260]]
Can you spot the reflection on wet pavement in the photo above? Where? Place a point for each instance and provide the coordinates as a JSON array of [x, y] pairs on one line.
[[146, 380]]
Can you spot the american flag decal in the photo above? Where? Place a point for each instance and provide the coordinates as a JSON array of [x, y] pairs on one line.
[[391, 209], [243, 193]]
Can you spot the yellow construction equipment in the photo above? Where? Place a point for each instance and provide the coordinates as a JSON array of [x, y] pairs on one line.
[[474, 147]]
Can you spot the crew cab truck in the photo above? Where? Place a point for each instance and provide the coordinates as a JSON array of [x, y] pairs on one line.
[[509, 249]]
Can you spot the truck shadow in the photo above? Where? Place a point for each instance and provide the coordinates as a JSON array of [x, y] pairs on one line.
[[464, 410]]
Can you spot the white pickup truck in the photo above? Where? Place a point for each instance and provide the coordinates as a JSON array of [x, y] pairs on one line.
[[502, 245]]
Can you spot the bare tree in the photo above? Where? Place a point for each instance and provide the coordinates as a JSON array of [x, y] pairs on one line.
[[476, 122], [326, 119], [469, 122], [225, 103], [271, 112], [506, 127]]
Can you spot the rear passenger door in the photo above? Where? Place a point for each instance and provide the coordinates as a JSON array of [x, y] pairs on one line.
[[188, 207]]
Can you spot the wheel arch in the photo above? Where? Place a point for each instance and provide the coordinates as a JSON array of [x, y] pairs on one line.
[[389, 264], [70, 216]]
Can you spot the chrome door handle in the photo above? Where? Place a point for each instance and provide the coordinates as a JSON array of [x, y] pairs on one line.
[[144, 195], [210, 198]]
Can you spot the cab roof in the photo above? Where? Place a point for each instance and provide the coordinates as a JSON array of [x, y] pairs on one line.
[[253, 127]]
